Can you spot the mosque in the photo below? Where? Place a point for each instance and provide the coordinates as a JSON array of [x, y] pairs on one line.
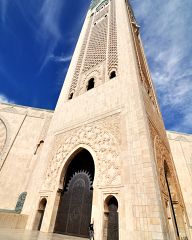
[[103, 156]]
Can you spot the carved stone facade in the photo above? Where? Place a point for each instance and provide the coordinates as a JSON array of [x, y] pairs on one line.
[[112, 45], [163, 157], [99, 46], [102, 137], [112, 132], [172, 198]]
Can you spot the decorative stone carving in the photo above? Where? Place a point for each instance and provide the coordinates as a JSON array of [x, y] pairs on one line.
[[103, 3], [99, 15], [97, 45], [112, 45], [3, 135], [103, 143], [97, 73], [80, 59], [163, 156], [156, 125], [20, 202]]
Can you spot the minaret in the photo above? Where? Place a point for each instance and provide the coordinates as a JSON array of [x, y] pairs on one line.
[[106, 158]]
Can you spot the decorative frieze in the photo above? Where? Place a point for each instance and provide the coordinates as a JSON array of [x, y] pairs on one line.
[[80, 60], [102, 138], [163, 158], [97, 45]]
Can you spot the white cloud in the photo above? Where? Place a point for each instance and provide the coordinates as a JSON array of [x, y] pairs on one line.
[[54, 58], [49, 30], [50, 13], [60, 58], [4, 99], [167, 37]]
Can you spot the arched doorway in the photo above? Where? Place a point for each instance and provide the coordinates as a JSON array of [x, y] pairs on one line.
[[40, 214], [74, 212], [111, 219]]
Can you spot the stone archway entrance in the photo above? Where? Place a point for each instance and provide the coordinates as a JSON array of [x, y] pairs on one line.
[[40, 214], [111, 219], [74, 212]]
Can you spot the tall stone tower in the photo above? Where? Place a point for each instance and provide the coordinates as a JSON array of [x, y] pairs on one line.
[[106, 158]]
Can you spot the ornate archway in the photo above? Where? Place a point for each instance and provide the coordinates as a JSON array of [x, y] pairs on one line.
[[170, 191], [74, 212], [111, 219]]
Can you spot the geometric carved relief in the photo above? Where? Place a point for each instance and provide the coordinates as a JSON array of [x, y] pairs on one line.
[[112, 45], [169, 186], [98, 73], [97, 45], [3, 135], [80, 59], [155, 119], [101, 137], [163, 156], [141, 60], [99, 48]]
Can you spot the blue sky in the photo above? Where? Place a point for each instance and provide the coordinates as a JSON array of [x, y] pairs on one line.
[[37, 39]]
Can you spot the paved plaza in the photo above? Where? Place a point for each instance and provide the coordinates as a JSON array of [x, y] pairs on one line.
[[10, 234]]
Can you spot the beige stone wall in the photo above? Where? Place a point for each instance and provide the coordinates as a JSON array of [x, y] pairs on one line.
[[110, 121], [22, 128], [181, 148], [118, 122], [13, 220]]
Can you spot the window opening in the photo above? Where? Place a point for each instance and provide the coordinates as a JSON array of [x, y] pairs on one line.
[[90, 84], [112, 74], [41, 211], [70, 96]]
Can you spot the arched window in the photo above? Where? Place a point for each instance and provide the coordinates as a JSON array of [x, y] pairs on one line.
[[111, 219], [90, 84], [112, 75], [70, 96]]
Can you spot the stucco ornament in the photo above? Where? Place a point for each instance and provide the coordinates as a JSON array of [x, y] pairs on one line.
[[163, 157], [103, 143]]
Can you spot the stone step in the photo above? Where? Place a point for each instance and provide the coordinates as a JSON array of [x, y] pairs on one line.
[[18, 234]]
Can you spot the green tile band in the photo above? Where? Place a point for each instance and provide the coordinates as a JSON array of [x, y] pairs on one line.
[[96, 2]]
